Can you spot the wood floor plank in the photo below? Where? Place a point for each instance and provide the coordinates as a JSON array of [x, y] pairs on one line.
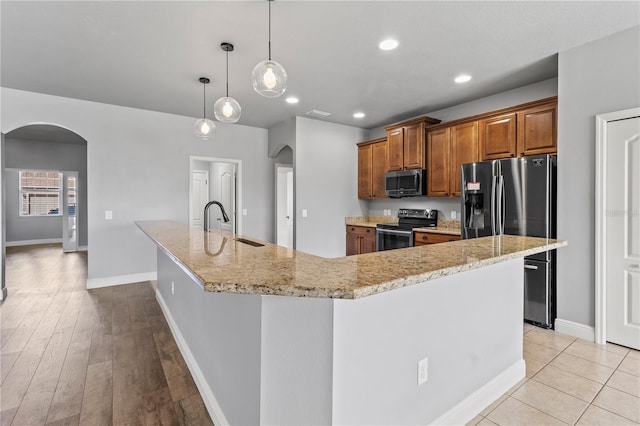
[[159, 408], [192, 411], [67, 399], [97, 401], [6, 363], [128, 406]]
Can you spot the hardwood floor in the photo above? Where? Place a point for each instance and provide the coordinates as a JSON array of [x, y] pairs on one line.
[[72, 356]]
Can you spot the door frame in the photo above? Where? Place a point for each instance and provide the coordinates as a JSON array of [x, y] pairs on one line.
[[238, 166], [193, 170], [602, 120], [277, 194]]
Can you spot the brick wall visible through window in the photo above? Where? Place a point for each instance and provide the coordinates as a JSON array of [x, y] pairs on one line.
[[40, 193]]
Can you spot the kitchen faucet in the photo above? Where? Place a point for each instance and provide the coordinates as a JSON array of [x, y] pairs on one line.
[[206, 213]]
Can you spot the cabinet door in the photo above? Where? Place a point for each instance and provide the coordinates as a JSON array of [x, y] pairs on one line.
[[537, 130], [438, 162], [365, 172], [498, 137], [395, 149], [424, 238], [464, 149], [379, 168], [353, 244], [368, 243], [414, 148]]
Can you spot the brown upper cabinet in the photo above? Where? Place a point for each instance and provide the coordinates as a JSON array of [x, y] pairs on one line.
[[447, 149], [498, 137], [537, 130], [372, 165], [406, 144]]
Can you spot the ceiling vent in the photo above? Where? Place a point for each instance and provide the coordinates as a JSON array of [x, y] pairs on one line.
[[318, 114]]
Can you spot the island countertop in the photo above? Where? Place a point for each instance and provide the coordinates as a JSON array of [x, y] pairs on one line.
[[222, 263]]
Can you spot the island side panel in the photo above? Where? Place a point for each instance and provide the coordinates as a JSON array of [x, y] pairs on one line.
[[222, 332], [469, 325], [297, 358]]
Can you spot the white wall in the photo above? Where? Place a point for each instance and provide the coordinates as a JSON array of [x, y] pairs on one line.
[[43, 155], [326, 184], [598, 77], [138, 167]]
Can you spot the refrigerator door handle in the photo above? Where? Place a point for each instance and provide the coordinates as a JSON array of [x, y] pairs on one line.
[[502, 204], [493, 205], [534, 267]]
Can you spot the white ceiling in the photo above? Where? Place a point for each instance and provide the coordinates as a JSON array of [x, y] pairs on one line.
[[149, 55]]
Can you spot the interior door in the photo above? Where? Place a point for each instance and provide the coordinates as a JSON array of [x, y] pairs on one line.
[[622, 227], [69, 211], [199, 196], [227, 182], [284, 206]]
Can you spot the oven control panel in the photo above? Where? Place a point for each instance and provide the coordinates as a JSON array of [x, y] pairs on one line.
[[418, 213]]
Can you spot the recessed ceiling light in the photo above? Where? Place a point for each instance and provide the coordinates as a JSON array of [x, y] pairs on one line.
[[292, 100], [462, 78], [388, 44], [358, 115]]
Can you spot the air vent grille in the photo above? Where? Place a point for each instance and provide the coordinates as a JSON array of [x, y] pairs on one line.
[[318, 114]]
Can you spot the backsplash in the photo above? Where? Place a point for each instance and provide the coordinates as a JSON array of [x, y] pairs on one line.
[[444, 206]]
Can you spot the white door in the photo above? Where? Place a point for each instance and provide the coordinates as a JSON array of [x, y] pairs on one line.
[[622, 230], [199, 196], [284, 206], [227, 181], [69, 211]]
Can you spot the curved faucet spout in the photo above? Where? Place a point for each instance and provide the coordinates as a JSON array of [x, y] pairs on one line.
[[206, 213]]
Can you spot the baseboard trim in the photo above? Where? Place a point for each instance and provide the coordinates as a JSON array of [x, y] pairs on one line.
[[210, 401], [33, 242], [121, 279], [575, 329], [473, 405], [83, 248]]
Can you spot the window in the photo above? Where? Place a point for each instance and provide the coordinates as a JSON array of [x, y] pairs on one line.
[[40, 193]]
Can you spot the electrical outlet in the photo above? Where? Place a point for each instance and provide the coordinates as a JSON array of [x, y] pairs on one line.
[[244, 212], [453, 214], [423, 371], [304, 212], [173, 287]]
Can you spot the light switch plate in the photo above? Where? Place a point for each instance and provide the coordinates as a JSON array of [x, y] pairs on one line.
[[108, 214], [244, 212], [304, 212], [453, 214]]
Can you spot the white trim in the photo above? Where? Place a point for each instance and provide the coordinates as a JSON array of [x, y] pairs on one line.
[[600, 230], [210, 401], [473, 405], [238, 164], [575, 329], [83, 248], [34, 242], [121, 279]]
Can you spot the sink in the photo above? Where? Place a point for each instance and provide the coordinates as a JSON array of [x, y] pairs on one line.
[[251, 243]]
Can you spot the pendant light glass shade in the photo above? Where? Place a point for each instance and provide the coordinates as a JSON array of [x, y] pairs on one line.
[[204, 128], [226, 109], [269, 77]]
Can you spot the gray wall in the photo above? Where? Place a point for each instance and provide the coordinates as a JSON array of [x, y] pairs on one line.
[[598, 77], [138, 167], [532, 92], [326, 184], [43, 155]]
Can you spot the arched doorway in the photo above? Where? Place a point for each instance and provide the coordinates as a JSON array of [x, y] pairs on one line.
[[44, 176]]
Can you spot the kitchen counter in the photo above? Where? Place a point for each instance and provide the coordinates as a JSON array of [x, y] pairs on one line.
[[221, 263], [269, 313]]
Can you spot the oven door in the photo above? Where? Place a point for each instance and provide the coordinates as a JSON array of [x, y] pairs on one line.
[[388, 239]]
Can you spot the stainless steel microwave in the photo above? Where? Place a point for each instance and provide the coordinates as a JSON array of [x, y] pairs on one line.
[[405, 183]]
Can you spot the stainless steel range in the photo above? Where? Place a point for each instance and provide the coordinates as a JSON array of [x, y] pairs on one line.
[[400, 235]]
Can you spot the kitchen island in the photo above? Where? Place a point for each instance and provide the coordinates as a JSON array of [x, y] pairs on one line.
[[276, 336]]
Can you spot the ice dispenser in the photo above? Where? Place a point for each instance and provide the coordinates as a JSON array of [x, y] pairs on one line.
[[474, 210]]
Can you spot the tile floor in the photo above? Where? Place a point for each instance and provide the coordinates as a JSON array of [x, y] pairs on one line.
[[570, 381]]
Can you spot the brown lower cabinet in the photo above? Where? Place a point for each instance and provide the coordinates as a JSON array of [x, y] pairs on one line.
[[425, 238], [360, 239]]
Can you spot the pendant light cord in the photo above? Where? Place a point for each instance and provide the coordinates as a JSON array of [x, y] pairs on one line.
[[204, 100], [269, 29], [227, 73]]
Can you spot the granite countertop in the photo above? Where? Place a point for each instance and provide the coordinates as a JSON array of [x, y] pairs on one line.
[[220, 263]]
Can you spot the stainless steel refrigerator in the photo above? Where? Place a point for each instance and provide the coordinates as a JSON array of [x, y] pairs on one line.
[[517, 196]]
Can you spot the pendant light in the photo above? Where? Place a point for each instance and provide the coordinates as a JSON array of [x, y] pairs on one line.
[[269, 77], [227, 109], [204, 128]]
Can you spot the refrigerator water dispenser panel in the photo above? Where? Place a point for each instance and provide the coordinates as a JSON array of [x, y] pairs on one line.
[[474, 210]]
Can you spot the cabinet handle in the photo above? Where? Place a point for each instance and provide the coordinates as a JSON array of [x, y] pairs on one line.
[[522, 154], [353, 229], [424, 237], [368, 230], [452, 239], [512, 154], [446, 193]]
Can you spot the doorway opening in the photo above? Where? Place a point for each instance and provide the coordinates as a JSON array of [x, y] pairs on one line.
[[284, 205], [218, 179], [44, 189]]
